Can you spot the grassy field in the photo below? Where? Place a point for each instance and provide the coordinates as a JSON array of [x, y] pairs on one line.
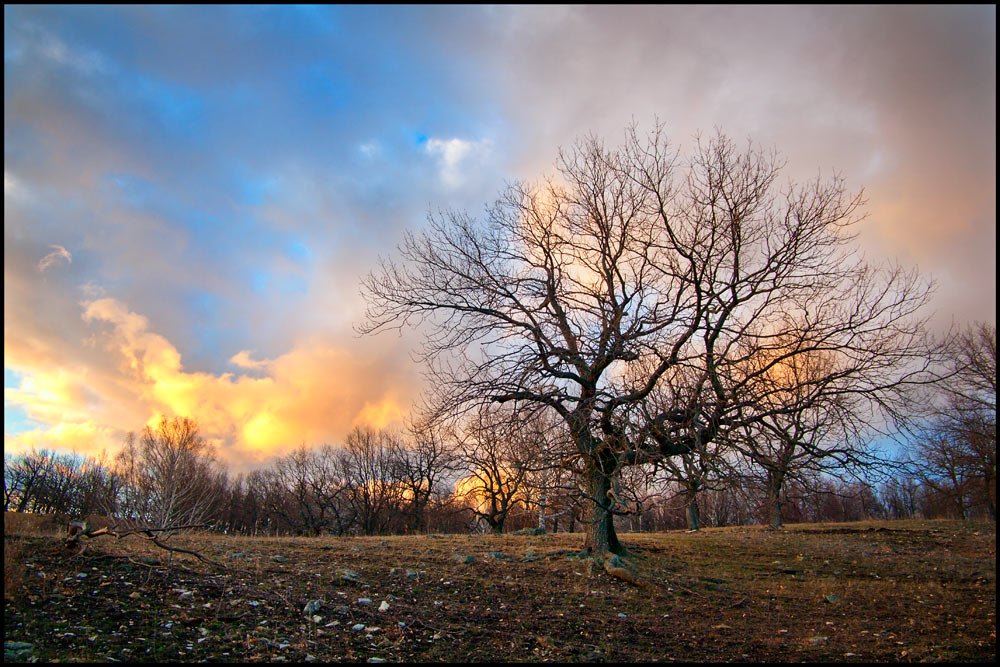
[[871, 591]]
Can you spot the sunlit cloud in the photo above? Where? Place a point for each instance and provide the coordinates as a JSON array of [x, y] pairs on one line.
[[382, 414], [243, 360], [314, 393], [87, 438], [58, 253]]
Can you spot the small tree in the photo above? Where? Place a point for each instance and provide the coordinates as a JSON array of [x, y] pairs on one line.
[[423, 460], [497, 447], [169, 477], [955, 453]]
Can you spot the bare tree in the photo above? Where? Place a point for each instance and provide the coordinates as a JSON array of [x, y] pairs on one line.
[[955, 454], [579, 296], [169, 476], [423, 460], [371, 469], [497, 447], [808, 425], [298, 503]]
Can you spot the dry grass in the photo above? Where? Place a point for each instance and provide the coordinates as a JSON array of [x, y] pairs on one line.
[[34, 525], [13, 566], [880, 591]]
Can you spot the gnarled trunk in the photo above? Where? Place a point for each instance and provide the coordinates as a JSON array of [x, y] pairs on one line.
[[692, 513], [774, 483], [598, 518]]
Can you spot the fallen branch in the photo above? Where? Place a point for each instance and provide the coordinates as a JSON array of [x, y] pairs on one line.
[[78, 529]]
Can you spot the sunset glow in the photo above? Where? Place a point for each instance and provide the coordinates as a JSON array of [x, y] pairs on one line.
[[193, 194]]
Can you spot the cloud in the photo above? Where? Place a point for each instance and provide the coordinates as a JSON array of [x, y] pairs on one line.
[[57, 253], [243, 360], [312, 394], [453, 155]]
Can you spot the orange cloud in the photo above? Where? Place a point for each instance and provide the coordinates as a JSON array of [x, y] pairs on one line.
[[314, 393], [381, 414]]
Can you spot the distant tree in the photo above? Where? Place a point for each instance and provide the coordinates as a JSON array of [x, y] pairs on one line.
[[424, 459], [294, 477], [899, 495], [497, 448], [168, 476], [809, 425], [24, 478], [371, 470], [955, 453]]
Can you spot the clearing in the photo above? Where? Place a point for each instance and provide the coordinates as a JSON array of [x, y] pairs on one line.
[[868, 591]]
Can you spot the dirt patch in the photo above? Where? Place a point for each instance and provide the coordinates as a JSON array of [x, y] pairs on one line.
[[920, 591]]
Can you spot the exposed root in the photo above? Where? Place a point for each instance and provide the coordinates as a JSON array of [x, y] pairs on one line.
[[624, 569]]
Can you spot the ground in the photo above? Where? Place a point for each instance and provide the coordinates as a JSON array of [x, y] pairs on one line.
[[871, 591]]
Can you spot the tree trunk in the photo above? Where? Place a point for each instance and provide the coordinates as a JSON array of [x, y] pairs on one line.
[[598, 520], [692, 513], [541, 511], [774, 483]]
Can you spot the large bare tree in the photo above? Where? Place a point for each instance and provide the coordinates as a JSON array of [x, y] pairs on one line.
[[579, 294]]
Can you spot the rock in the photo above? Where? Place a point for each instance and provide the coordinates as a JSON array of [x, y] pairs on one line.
[[279, 559], [832, 599], [465, 560], [312, 607], [529, 531], [358, 627], [375, 660], [412, 574], [497, 555], [384, 606], [364, 601], [348, 575], [528, 557], [19, 651], [816, 641]]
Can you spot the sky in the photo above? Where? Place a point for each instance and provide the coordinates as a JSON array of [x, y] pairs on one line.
[[192, 194]]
